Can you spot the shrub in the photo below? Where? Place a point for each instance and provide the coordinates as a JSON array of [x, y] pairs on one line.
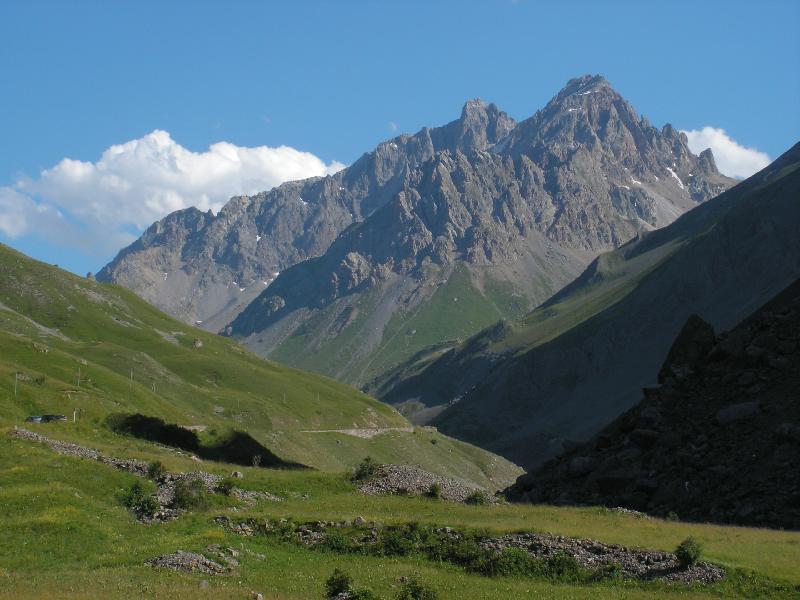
[[256, 460], [612, 571], [338, 583], [190, 494], [226, 486], [435, 491], [673, 516], [139, 500], [477, 497], [414, 590], [514, 562], [366, 469], [688, 552], [338, 542], [564, 567], [156, 470]]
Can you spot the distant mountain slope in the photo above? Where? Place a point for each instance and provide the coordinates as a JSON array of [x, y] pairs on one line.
[[204, 268], [523, 389], [477, 233], [70, 344], [718, 441]]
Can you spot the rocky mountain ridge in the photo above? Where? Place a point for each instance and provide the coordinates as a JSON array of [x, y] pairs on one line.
[[512, 222], [204, 268]]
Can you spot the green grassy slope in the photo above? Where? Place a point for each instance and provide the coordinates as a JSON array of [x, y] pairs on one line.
[[455, 310], [65, 535], [56, 328]]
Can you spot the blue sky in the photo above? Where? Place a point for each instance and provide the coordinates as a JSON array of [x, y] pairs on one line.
[[331, 79]]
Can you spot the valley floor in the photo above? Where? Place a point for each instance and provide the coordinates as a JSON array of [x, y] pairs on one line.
[[65, 534]]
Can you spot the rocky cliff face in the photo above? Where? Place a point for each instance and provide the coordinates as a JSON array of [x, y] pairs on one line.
[[205, 268], [718, 440], [493, 227]]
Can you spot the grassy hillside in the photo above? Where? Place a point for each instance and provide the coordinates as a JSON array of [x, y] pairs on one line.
[[66, 535], [76, 345], [466, 299]]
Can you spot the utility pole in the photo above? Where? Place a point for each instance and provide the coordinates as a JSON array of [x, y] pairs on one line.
[[79, 377], [16, 377]]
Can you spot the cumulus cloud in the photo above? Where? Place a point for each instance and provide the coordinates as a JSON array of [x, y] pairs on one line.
[[732, 158], [140, 181]]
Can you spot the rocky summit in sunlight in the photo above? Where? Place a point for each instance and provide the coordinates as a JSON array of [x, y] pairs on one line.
[[718, 440], [488, 222]]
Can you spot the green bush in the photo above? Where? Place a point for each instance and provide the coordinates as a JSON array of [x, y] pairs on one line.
[[338, 542], [139, 500], [226, 486], [511, 562], [366, 469], [190, 494], [564, 567], [688, 552], [339, 582], [477, 497], [414, 590], [435, 491], [610, 572], [156, 470]]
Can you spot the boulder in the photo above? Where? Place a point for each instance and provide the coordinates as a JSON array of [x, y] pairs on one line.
[[694, 342], [644, 438], [734, 412], [581, 466]]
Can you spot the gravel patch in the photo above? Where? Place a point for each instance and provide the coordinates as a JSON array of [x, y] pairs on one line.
[[401, 479]]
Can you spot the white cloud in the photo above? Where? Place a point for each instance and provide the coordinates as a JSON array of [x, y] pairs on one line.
[[732, 158], [138, 182], [392, 126]]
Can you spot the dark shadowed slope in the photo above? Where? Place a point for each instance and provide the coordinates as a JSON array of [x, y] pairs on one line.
[[719, 440]]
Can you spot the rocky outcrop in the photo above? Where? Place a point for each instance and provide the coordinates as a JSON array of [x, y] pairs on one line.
[[592, 555], [719, 440], [633, 563], [188, 562]]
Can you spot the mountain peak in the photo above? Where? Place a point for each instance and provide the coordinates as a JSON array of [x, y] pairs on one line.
[[480, 125]]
